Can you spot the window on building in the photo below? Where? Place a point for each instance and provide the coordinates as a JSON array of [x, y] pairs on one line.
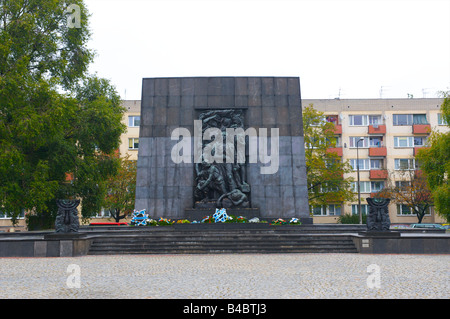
[[334, 210], [134, 121], [376, 186], [441, 120], [410, 119], [364, 164], [420, 119], [316, 210], [375, 120], [368, 187], [6, 215], [366, 141], [336, 141], [402, 119], [133, 143], [403, 209], [330, 163], [319, 121], [375, 141], [361, 143], [405, 164], [403, 141], [364, 209], [420, 140], [333, 119], [376, 163], [315, 142], [358, 120], [330, 187], [409, 141], [104, 213], [364, 187], [326, 210], [402, 184]]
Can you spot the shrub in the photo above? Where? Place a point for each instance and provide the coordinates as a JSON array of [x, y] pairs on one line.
[[351, 219]]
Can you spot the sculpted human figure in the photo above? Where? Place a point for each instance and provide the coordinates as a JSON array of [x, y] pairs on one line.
[[226, 179], [214, 179], [236, 197]]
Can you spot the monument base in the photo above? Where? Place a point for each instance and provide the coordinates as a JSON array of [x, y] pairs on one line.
[[64, 236], [379, 233], [200, 213]]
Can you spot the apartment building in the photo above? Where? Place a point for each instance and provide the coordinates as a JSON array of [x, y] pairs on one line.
[[384, 134], [388, 133], [130, 140]]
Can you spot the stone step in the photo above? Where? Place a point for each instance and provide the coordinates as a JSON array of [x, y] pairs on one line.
[[255, 251], [210, 243], [222, 238], [248, 227], [212, 250], [116, 246], [210, 237], [229, 241]]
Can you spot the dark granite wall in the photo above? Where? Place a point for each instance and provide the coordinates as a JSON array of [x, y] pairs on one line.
[[165, 189]]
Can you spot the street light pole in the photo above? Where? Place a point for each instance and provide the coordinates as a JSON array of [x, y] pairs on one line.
[[359, 187]]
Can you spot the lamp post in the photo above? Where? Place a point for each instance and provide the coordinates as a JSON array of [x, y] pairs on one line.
[[359, 187]]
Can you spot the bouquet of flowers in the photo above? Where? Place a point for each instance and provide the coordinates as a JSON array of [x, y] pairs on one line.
[[295, 221], [139, 218], [220, 215], [208, 219], [164, 222], [279, 221]]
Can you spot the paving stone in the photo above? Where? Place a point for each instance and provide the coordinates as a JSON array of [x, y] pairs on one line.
[[248, 276]]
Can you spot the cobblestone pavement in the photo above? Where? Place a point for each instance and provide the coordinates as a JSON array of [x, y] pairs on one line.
[[255, 276]]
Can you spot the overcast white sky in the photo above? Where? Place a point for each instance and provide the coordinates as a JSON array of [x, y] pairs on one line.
[[351, 49]]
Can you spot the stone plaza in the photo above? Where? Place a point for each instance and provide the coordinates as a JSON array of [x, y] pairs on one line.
[[228, 276]]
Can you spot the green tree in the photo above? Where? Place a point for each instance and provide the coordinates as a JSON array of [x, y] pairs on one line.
[[54, 117], [435, 163], [325, 170], [409, 188], [121, 190]]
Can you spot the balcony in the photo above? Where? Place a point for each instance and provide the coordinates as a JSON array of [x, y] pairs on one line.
[[374, 194], [377, 151], [378, 174], [416, 149], [337, 150], [377, 129], [421, 128], [338, 129]]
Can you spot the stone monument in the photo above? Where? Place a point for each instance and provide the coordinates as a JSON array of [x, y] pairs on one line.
[[378, 217], [188, 167], [67, 216]]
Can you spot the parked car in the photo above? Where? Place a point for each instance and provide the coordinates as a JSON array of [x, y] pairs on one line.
[[427, 226], [400, 226]]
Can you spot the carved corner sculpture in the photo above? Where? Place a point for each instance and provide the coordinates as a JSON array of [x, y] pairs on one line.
[[222, 185], [378, 217], [67, 217]]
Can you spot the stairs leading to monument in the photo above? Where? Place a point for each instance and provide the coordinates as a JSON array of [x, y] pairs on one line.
[[208, 241]]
